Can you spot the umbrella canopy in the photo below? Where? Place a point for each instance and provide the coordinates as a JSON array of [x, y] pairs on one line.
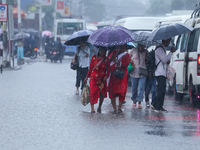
[[76, 36], [47, 33], [21, 35], [169, 31], [142, 37], [111, 36]]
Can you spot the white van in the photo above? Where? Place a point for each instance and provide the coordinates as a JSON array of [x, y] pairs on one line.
[[138, 23], [186, 61]]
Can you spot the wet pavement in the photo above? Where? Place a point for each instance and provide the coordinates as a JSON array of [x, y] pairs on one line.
[[40, 111]]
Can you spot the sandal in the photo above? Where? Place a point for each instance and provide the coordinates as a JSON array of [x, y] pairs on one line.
[[114, 111], [98, 110], [119, 111], [134, 105], [139, 106]]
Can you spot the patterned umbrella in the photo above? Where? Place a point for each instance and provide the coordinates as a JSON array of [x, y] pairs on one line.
[[76, 36], [111, 36]]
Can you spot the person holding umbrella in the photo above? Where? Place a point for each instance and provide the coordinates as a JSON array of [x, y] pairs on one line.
[[113, 36], [82, 52], [98, 73], [117, 87], [160, 73], [164, 33], [20, 44], [20, 51]]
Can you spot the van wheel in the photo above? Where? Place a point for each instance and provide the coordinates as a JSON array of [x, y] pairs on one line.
[[178, 96], [193, 96]]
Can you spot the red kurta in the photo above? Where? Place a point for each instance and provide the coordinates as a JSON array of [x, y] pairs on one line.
[[96, 77], [118, 87]]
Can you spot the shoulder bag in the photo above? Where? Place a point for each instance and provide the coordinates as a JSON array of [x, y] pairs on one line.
[[142, 71], [75, 65], [118, 72]]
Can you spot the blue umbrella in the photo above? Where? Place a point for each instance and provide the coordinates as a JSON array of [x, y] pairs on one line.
[[77, 36], [111, 36]]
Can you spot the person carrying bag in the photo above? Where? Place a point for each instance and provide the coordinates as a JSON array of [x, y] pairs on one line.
[[98, 73]]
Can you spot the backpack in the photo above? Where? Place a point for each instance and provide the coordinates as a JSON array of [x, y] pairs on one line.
[[151, 62]]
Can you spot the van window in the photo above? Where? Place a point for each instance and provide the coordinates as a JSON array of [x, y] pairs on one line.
[[183, 42], [59, 30], [193, 40], [68, 28]]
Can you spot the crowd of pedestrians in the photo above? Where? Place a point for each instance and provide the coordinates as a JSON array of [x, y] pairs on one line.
[[103, 81]]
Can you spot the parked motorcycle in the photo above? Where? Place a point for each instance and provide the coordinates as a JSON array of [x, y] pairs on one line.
[[31, 53]]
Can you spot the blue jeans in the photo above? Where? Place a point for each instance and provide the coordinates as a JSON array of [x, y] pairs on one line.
[[20, 53], [150, 86], [138, 86]]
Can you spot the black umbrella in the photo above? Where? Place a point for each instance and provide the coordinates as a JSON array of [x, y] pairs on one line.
[[77, 36]]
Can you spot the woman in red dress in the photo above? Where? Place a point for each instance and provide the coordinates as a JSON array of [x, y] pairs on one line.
[[98, 73], [118, 87]]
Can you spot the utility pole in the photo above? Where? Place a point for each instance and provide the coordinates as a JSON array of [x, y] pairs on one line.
[[19, 15], [40, 26], [5, 52]]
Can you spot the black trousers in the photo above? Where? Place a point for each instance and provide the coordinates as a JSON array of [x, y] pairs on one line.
[[81, 73], [159, 100]]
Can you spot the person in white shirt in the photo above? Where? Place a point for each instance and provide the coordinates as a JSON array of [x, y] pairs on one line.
[[160, 73], [83, 52]]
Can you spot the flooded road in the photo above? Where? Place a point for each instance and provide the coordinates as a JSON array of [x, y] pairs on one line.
[[40, 111]]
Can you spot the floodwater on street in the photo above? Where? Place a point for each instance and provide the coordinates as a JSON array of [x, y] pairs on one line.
[[40, 111]]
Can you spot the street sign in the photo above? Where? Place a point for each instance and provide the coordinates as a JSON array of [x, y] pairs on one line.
[[46, 2], [3, 12], [60, 6]]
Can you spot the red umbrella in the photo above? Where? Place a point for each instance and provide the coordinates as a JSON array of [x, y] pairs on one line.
[[15, 13]]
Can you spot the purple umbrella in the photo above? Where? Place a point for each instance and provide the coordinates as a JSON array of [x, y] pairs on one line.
[[76, 36], [111, 36]]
